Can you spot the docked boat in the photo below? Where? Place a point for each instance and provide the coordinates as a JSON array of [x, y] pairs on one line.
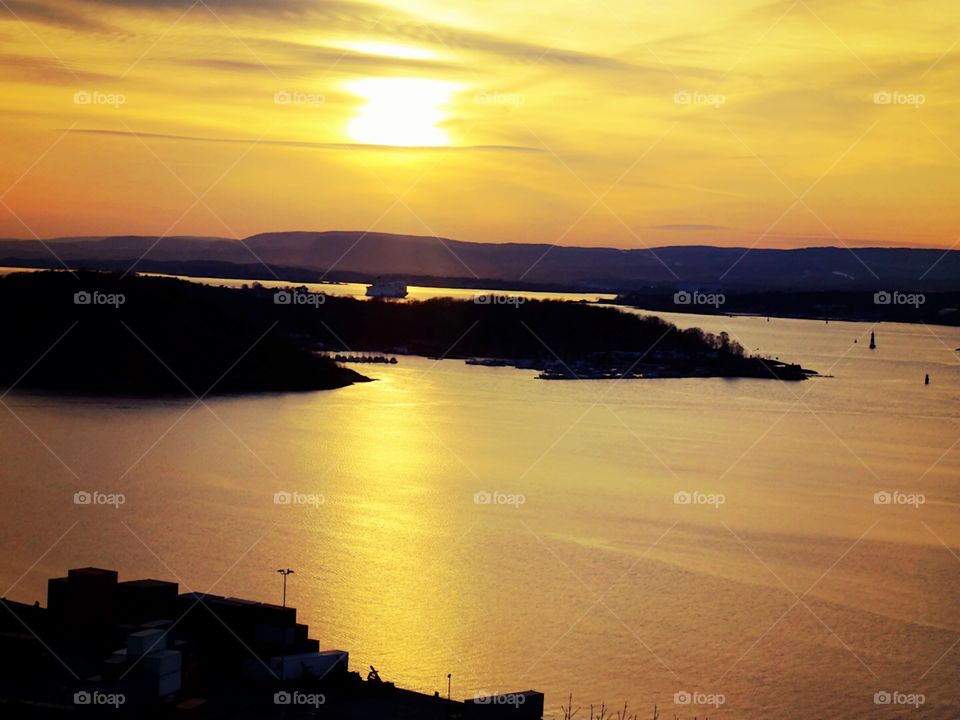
[[488, 362], [381, 359], [393, 289]]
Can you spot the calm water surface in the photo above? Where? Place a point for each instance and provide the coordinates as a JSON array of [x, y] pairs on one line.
[[797, 597]]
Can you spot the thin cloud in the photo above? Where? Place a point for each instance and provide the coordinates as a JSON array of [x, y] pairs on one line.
[[307, 59], [45, 70], [688, 227], [357, 17], [307, 145], [56, 14]]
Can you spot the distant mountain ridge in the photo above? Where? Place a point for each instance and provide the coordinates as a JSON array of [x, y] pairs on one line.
[[368, 255]]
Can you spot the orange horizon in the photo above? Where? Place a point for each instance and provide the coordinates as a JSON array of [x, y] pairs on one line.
[[849, 243]]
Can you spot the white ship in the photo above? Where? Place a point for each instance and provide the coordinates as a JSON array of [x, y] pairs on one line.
[[390, 289]]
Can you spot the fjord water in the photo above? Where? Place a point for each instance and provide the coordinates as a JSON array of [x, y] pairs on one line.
[[800, 596]]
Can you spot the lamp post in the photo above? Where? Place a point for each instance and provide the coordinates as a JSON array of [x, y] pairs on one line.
[[285, 572], [283, 661]]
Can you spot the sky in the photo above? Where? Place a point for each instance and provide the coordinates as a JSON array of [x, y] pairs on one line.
[[754, 123]]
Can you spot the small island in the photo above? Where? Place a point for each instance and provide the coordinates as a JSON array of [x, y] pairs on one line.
[[103, 333]]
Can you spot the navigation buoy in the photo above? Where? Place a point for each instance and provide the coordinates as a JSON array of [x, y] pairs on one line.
[[926, 380], [873, 342]]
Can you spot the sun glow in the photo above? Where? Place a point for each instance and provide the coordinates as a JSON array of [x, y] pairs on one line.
[[401, 111], [405, 52]]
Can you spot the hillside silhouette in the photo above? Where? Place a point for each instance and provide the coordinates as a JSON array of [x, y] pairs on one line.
[[104, 333], [343, 255], [146, 336]]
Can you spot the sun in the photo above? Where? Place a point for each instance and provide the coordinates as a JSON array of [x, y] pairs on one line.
[[407, 112]]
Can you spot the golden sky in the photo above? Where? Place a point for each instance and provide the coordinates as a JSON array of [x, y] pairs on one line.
[[774, 123]]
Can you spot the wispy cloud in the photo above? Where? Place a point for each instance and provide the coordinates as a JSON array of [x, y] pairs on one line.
[[688, 227], [337, 15], [71, 16], [304, 144], [45, 70]]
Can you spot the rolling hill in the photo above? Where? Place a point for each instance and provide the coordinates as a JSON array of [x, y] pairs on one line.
[[355, 255]]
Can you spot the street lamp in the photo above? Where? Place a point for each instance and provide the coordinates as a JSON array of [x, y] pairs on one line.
[[283, 664], [285, 572]]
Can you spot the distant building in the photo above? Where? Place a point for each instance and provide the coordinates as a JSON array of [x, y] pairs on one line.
[[139, 648]]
